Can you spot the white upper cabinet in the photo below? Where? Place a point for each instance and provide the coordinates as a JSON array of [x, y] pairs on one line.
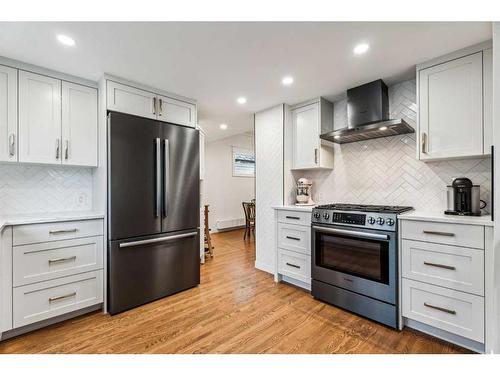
[[454, 116], [176, 111], [79, 125], [39, 119], [127, 99], [308, 122], [8, 114]]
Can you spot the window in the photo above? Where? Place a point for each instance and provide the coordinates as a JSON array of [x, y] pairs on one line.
[[243, 162]]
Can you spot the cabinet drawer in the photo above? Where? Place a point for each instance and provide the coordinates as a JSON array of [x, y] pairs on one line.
[[295, 238], [36, 302], [33, 233], [50, 260], [455, 312], [294, 265], [294, 217], [453, 267], [445, 233]]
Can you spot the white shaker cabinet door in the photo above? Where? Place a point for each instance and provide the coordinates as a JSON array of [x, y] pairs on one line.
[[488, 99], [127, 99], [8, 114], [79, 125], [451, 109], [39, 119], [176, 111], [305, 122]]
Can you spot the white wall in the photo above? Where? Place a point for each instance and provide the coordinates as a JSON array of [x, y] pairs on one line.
[[223, 192]]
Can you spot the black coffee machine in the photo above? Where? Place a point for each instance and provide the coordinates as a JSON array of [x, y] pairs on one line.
[[463, 198]]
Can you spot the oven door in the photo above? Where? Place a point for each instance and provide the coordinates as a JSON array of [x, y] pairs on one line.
[[360, 260]]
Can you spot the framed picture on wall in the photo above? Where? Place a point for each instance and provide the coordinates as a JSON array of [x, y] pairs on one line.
[[243, 162]]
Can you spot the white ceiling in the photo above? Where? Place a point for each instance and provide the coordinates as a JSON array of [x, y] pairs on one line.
[[215, 63]]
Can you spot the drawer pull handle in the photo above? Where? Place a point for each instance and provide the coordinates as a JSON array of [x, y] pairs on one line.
[[440, 266], [293, 238], [293, 217], [60, 260], [59, 231], [293, 265], [53, 299], [448, 311], [447, 234]]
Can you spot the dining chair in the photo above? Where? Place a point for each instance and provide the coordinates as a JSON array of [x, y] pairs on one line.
[[249, 208]]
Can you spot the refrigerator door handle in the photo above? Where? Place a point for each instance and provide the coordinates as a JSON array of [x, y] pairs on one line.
[[166, 176], [156, 240], [158, 178]]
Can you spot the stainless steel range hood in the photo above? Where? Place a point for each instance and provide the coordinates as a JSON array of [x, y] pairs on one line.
[[368, 116]]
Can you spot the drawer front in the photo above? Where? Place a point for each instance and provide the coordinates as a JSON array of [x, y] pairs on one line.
[[445, 233], [34, 233], [295, 238], [453, 267], [50, 260], [37, 302], [294, 265], [452, 311], [294, 217]]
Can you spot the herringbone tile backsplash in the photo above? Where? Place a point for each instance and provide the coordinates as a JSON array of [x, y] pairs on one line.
[[386, 171], [35, 189]]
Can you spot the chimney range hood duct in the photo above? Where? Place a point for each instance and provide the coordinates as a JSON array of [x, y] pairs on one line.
[[368, 116]]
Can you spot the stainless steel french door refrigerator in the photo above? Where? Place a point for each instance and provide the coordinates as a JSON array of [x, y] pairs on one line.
[[153, 210]]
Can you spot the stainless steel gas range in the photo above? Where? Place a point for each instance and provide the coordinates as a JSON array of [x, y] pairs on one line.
[[355, 259]]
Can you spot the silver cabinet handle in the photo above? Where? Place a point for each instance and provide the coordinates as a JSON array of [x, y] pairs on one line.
[[293, 238], [58, 146], [440, 266], [293, 265], [293, 217], [452, 312], [423, 142], [154, 105], [53, 299], [315, 156], [62, 260], [161, 107], [352, 233], [158, 239], [446, 234], [166, 176], [66, 151], [12, 143], [158, 177], [59, 231]]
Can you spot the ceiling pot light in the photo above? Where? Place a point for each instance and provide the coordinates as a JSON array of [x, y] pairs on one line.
[[361, 48], [382, 128], [223, 126], [66, 40], [287, 81], [241, 100], [337, 137]]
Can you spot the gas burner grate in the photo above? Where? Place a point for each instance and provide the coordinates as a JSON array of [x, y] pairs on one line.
[[365, 208]]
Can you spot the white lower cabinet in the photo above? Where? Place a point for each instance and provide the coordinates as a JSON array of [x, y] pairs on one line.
[[293, 246], [40, 301]]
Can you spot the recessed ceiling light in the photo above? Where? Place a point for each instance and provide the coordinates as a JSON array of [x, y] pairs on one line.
[[361, 48], [241, 100], [223, 126], [66, 40], [383, 128], [287, 81], [336, 136]]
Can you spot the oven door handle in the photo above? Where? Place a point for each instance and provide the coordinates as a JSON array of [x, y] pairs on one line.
[[352, 233]]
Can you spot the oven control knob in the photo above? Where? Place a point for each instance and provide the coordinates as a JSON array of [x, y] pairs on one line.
[[371, 220], [317, 215], [380, 221], [326, 216], [390, 222]]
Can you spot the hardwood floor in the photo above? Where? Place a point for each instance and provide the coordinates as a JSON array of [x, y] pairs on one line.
[[236, 309]]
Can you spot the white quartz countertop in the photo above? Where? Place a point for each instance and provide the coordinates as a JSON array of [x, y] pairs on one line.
[[441, 217], [50, 217], [294, 208]]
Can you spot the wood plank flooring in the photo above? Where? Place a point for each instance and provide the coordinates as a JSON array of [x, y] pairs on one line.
[[236, 309]]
